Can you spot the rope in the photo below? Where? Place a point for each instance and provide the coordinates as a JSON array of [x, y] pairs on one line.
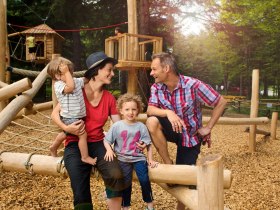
[[32, 10], [26, 117], [28, 165], [16, 47], [1, 161], [72, 30]]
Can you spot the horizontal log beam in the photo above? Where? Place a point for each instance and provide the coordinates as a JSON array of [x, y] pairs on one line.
[[164, 173], [183, 194], [33, 110], [258, 131], [225, 120], [13, 89]]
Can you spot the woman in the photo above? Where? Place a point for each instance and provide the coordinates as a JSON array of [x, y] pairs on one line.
[[100, 104]]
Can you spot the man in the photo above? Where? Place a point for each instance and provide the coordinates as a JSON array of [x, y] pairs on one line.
[[174, 111]]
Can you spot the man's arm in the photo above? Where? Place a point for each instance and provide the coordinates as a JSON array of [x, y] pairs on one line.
[[216, 113]]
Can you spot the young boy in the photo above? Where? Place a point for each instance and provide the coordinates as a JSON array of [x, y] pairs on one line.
[[69, 94], [125, 135]]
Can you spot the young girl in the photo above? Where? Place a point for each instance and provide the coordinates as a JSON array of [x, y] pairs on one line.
[[125, 135], [69, 94]]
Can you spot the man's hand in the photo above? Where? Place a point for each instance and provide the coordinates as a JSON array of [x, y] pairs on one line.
[[177, 123], [205, 133]]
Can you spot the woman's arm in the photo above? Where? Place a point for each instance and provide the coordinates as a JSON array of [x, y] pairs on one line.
[[115, 117], [76, 128]]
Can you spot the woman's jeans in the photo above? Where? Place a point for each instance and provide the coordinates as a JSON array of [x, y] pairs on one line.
[[141, 170], [80, 172]]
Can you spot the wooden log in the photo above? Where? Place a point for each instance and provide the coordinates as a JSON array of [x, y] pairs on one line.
[[183, 194], [225, 120], [210, 183], [181, 174], [273, 127], [32, 163], [11, 110], [3, 44], [3, 84], [33, 110], [254, 109], [15, 88], [258, 131], [175, 174]]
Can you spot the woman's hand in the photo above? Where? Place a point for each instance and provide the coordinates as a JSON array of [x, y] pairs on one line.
[[76, 128], [109, 156]]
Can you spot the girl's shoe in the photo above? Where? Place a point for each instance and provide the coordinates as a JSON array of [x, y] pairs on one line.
[[149, 209]]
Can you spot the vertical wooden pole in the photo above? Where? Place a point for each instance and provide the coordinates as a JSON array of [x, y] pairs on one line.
[[54, 99], [254, 109], [273, 128], [210, 178], [133, 43], [3, 44], [8, 63]]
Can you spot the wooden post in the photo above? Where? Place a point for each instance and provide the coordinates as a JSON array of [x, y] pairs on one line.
[[54, 99], [3, 44], [15, 88], [183, 194], [210, 183], [133, 43], [8, 63], [273, 129], [254, 109]]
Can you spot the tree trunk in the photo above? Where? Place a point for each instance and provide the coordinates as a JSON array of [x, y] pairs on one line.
[[265, 86], [77, 49], [241, 84], [144, 28]]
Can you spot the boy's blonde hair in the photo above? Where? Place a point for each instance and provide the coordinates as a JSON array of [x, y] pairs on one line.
[[53, 67], [129, 97]]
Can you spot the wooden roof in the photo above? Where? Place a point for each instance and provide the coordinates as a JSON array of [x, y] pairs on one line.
[[41, 29]]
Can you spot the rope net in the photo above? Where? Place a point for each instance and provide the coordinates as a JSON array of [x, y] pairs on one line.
[[31, 134]]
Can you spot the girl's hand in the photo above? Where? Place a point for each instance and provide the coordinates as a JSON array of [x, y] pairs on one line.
[[109, 156], [153, 164], [141, 145]]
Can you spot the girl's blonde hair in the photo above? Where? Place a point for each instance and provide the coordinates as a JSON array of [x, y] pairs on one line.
[[129, 97], [53, 67]]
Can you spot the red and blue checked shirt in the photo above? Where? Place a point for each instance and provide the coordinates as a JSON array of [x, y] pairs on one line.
[[185, 100]]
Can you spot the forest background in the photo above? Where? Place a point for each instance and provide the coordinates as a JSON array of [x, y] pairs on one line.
[[238, 36]]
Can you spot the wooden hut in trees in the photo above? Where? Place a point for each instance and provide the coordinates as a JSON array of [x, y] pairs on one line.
[[47, 42]]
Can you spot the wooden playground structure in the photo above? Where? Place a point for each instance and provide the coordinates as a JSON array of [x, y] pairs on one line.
[[209, 175]]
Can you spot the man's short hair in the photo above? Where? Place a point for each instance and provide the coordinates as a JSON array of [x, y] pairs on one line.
[[166, 59]]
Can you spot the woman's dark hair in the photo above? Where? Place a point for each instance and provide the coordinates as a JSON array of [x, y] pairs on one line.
[[94, 71]]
